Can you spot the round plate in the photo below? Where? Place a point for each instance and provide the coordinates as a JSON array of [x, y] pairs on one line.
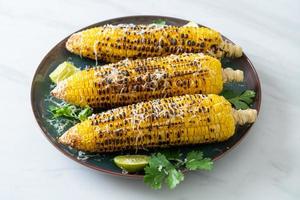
[[41, 86]]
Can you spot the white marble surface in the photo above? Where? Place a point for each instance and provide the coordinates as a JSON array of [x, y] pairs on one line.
[[265, 165]]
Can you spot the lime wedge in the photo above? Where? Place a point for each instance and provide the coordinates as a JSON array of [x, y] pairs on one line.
[[132, 163], [63, 71], [192, 24]]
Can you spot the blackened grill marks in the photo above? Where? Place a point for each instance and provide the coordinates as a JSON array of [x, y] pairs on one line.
[[171, 136], [144, 83], [171, 36]]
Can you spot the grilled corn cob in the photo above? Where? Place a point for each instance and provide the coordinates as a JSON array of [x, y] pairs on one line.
[[132, 81], [181, 120], [113, 43]]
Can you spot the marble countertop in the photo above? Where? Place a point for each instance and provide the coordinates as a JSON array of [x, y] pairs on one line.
[[265, 165]]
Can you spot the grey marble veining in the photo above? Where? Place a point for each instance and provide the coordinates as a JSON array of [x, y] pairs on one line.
[[265, 165]]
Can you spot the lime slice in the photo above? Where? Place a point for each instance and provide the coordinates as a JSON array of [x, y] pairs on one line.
[[63, 71], [132, 163], [192, 24]]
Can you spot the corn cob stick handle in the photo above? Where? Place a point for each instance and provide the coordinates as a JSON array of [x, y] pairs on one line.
[[230, 75], [231, 50], [242, 117], [174, 121]]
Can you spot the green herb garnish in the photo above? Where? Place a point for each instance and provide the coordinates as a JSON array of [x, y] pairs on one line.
[[240, 100], [160, 22], [161, 169], [66, 110], [85, 113], [70, 111], [195, 161]]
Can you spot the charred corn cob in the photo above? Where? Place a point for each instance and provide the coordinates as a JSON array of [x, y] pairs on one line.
[[113, 43], [132, 81], [181, 120]]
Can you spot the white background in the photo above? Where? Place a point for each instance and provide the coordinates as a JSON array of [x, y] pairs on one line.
[[265, 165]]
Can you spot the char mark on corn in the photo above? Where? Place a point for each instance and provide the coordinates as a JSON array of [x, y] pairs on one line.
[[132, 81], [112, 43], [181, 120]]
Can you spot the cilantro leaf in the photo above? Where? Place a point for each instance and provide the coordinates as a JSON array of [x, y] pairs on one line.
[[171, 154], [162, 168], [194, 155], [154, 177], [247, 96], [228, 94], [63, 111], [160, 22], [159, 160], [238, 104], [85, 113], [70, 111], [174, 178], [239, 101], [195, 161], [156, 171]]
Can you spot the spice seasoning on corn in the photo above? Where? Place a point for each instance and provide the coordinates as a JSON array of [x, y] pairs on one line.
[[180, 120], [132, 81], [112, 43]]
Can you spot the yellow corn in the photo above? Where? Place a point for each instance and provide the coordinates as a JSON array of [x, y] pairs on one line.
[[132, 81], [113, 43], [181, 120]]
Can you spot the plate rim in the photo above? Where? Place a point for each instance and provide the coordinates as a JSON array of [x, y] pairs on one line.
[[136, 176]]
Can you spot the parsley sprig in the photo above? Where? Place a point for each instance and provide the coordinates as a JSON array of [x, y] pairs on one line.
[[160, 22], [167, 168], [70, 111], [240, 100]]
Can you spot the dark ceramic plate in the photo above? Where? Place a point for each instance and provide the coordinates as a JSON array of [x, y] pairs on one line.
[[41, 88]]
